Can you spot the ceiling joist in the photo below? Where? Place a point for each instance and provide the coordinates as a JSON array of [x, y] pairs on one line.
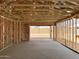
[[39, 10]]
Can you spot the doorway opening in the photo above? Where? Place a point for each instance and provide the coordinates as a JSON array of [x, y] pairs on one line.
[[41, 32]]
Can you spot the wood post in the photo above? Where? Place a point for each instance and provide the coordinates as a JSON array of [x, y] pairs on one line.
[[51, 32]]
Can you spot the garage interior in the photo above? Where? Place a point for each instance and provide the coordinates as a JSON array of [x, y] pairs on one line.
[[39, 29]]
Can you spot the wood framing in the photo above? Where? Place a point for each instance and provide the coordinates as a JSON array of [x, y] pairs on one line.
[[12, 32]]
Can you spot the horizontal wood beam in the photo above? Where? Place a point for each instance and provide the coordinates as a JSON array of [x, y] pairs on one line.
[[41, 23], [67, 18]]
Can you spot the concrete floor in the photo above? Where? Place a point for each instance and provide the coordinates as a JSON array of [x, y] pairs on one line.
[[38, 49]]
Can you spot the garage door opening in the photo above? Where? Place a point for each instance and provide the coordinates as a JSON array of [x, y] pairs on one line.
[[43, 32]]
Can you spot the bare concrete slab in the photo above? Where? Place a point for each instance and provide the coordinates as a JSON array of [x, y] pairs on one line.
[[38, 49]]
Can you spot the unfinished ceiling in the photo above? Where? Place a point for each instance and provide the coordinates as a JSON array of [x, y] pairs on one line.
[[36, 11]]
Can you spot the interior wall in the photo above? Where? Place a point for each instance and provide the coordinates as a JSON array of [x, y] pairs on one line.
[[68, 33], [25, 32], [12, 32]]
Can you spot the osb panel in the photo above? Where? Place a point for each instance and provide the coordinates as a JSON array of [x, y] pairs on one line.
[[25, 31]]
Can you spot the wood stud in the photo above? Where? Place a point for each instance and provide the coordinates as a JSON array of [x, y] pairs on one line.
[[70, 38], [12, 32]]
